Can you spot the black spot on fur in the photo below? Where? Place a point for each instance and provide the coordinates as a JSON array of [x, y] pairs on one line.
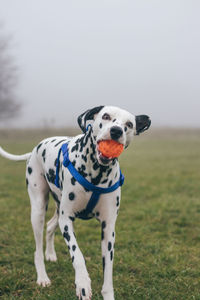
[[100, 125], [66, 236], [104, 181], [125, 129], [97, 179], [109, 246], [117, 201], [73, 247], [83, 292], [113, 234], [103, 263], [92, 158], [96, 165], [109, 171], [73, 181], [103, 226], [84, 215], [110, 183], [93, 147], [81, 171], [72, 259], [97, 214], [59, 142], [55, 197], [55, 163], [83, 167], [51, 176], [84, 141], [84, 157], [26, 181], [62, 212], [38, 147], [72, 218], [30, 170], [75, 148], [111, 255], [71, 196], [43, 154], [66, 228], [114, 120], [114, 161], [61, 186]]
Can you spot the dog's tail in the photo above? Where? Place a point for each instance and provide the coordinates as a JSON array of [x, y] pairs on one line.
[[14, 157]]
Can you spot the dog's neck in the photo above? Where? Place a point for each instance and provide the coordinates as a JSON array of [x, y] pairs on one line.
[[83, 155]]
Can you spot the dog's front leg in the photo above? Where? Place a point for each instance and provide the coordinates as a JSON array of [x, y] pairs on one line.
[[82, 279], [107, 245]]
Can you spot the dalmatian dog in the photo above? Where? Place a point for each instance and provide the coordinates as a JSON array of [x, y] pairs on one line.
[[71, 198]]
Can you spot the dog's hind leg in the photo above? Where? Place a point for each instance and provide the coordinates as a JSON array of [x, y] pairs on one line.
[[51, 227], [39, 195]]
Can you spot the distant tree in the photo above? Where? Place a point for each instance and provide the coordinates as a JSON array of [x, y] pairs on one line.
[[9, 107]]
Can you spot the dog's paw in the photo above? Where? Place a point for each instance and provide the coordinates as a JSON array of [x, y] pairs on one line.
[[44, 281], [51, 256], [108, 295], [83, 287]]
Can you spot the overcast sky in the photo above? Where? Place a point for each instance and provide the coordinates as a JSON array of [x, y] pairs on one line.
[[141, 55]]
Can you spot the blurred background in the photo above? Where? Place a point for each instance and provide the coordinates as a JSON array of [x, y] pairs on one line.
[[59, 58]]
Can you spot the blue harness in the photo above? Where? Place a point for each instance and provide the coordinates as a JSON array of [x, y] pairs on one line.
[[96, 191]]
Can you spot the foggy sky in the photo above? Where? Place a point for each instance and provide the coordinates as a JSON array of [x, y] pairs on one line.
[[143, 56]]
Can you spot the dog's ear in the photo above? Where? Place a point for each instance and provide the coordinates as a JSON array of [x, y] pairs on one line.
[[143, 123], [88, 115]]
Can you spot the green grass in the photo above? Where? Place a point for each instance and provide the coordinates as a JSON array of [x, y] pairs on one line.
[[157, 234]]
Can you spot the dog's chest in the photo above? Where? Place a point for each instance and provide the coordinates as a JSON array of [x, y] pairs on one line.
[[71, 193], [74, 196]]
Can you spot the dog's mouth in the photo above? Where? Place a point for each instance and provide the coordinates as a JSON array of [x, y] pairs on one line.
[[105, 160], [105, 157]]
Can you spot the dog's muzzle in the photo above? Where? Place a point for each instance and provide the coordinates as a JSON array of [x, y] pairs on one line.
[[103, 160]]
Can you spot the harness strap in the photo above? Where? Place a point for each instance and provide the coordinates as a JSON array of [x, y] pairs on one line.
[[97, 191]]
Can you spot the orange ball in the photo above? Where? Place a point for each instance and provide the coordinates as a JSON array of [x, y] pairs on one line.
[[110, 148]]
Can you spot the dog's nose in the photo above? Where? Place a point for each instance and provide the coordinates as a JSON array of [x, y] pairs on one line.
[[116, 132]]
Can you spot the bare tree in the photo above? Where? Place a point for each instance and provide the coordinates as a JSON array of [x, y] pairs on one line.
[[9, 107]]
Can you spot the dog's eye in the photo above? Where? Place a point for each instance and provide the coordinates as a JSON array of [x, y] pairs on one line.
[[106, 117], [129, 124]]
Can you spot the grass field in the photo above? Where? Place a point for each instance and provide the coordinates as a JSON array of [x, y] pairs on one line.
[[157, 251]]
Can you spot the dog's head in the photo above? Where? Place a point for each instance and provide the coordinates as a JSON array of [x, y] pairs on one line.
[[112, 123]]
